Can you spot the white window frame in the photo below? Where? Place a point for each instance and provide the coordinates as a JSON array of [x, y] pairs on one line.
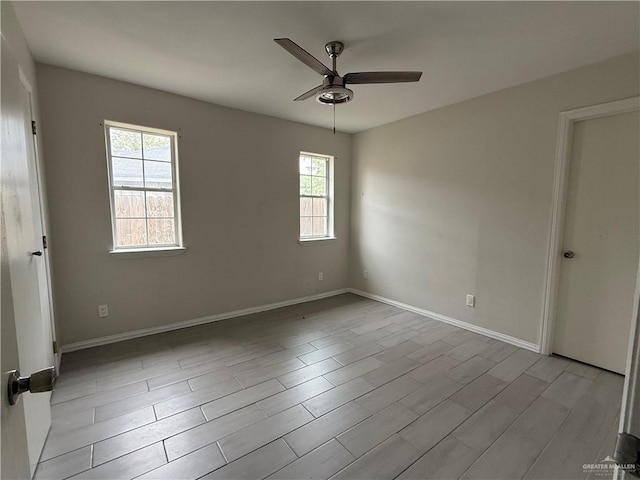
[[330, 198], [159, 249]]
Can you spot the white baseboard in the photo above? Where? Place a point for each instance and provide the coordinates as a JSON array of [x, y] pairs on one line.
[[452, 321], [198, 321], [272, 306]]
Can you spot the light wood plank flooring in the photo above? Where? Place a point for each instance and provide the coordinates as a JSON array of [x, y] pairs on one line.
[[343, 387]]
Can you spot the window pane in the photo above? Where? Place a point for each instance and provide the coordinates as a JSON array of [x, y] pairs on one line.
[[305, 165], [319, 226], [157, 174], [305, 226], [305, 185], [128, 203], [319, 186], [161, 231], [157, 147], [131, 232], [319, 207], [125, 143], [159, 204], [127, 172], [305, 207], [319, 167]]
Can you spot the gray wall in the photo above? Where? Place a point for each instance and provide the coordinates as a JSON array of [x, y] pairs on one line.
[[449, 202], [238, 178], [458, 200]]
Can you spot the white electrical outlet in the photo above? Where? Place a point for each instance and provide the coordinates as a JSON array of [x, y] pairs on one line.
[[320, 276], [471, 300], [103, 311], [365, 273]]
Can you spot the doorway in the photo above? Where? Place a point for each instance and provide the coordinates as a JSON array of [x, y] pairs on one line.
[[595, 236]]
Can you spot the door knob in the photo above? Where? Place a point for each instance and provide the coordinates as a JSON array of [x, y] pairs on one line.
[[37, 253], [568, 254], [42, 381]]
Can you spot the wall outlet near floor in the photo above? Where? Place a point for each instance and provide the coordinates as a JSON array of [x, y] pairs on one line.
[[103, 311], [365, 273], [320, 276], [471, 300]]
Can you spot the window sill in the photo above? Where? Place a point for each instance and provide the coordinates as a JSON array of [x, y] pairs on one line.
[[148, 252], [307, 241]]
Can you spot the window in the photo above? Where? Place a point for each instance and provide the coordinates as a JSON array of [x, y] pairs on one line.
[[316, 196], [143, 179]]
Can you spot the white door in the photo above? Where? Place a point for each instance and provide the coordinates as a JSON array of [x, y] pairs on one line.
[[27, 273], [15, 462], [597, 283]]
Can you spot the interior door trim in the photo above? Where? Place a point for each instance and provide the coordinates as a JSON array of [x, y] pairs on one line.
[[43, 214], [560, 187], [630, 412]]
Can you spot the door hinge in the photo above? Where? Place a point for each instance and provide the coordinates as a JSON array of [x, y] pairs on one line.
[[33, 127], [44, 241], [55, 347], [627, 453]]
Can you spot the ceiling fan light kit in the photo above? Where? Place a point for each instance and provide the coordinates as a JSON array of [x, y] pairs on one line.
[[333, 90], [334, 96]]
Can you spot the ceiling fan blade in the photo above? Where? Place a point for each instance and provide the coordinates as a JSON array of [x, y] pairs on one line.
[[304, 56], [382, 77], [309, 94]]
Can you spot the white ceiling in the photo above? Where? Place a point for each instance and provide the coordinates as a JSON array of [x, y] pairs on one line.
[[223, 52]]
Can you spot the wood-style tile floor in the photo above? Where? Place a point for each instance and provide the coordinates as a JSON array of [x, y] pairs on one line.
[[339, 388]]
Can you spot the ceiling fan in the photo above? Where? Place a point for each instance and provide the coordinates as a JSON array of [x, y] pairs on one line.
[[334, 87]]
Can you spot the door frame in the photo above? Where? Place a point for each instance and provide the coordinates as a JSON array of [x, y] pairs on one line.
[[559, 204], [42, 217], [630, 411]]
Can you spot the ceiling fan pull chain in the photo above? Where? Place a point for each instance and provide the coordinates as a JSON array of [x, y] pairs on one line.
[[334, 118]]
